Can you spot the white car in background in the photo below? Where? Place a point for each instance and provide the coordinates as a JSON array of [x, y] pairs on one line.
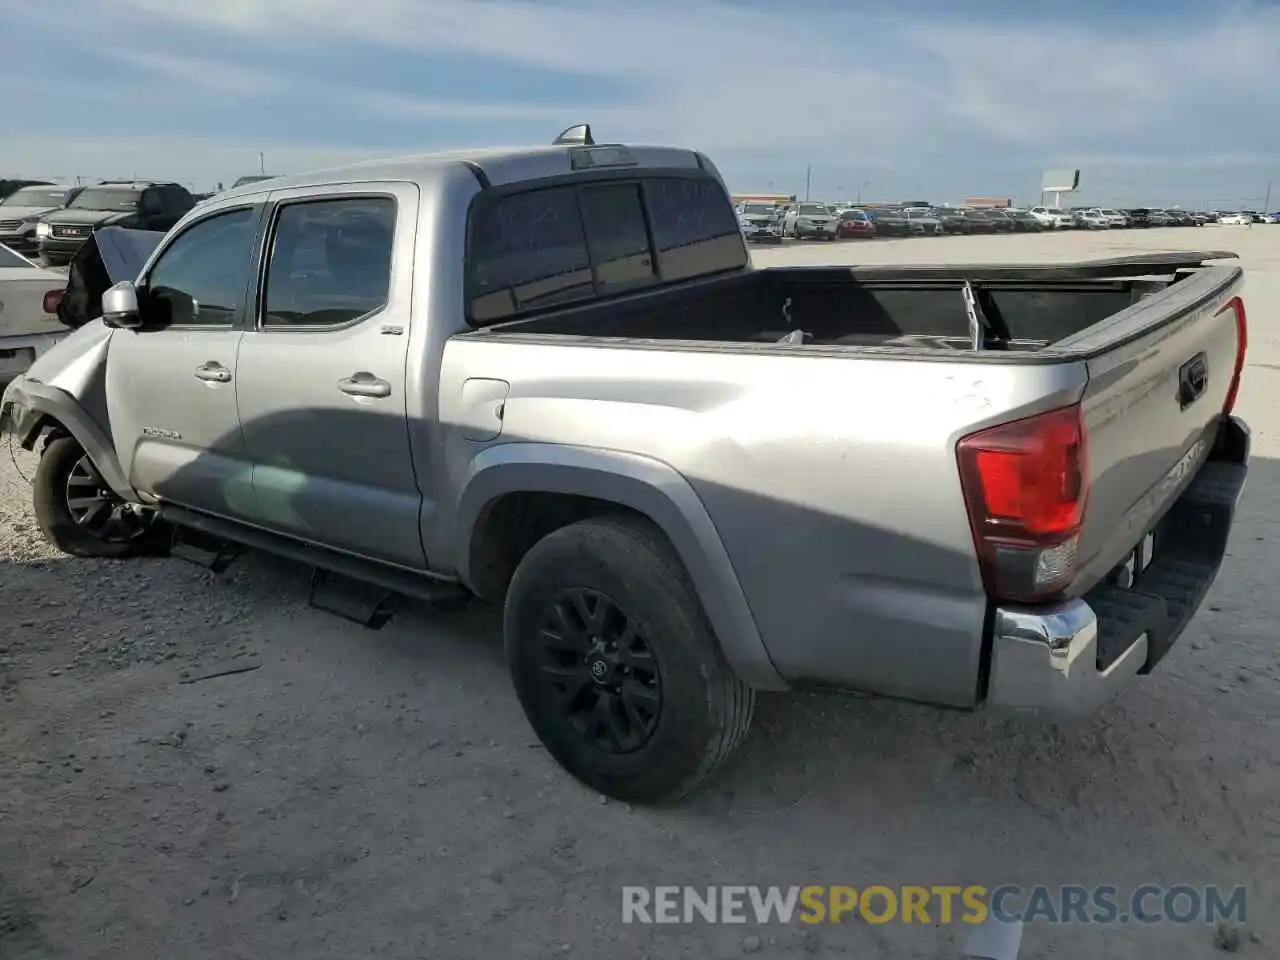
[[1053, 218], [1094, 220], [1271, 218], [761, 222], [1236, 219], [29, 323], [810, 219], [1117, 219]]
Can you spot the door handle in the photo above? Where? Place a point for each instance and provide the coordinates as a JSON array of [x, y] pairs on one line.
[[364, 384], [213, 372]]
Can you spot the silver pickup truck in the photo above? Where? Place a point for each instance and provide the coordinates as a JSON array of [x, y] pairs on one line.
[[550, 378]]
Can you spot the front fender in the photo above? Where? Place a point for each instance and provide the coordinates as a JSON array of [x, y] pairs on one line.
[[654, 489], [33, 405]]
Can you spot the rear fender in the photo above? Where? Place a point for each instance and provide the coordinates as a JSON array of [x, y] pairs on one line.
[[650, 487]]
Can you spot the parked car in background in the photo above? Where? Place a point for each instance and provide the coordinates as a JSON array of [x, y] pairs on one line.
[[994, 219], [1118, 220], [809, 219], [8, 185], [28, 312], [132, 204], [1160, 218], [1023, 221], [854, 224], [889, 221], [953, 220], [1271, 218], [1236, 219], [979, 221], [921, 221], [760, 222], [21, 210], [1054, 218], [1138, 216], [1093, 220]]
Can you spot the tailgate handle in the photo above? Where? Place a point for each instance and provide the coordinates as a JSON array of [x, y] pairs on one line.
[[1193, 378]]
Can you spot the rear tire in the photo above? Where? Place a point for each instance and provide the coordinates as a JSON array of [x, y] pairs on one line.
[[616, 666], [81, 516]]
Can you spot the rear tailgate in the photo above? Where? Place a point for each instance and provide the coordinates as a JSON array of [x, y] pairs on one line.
[[1159, 377]]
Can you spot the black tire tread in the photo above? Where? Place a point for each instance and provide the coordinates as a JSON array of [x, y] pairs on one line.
[[731, 701]]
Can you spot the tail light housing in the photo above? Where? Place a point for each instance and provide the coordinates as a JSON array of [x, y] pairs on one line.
[[1236, 305], [51, 301], [1026, 487]]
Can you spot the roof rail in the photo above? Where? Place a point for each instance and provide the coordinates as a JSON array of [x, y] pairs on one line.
[[578, 135]]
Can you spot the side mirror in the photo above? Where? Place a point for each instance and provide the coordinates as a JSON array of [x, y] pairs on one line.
[[120, 306]]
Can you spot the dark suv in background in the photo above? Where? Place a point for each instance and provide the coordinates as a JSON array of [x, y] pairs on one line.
[[1139, 217], [132, 204]]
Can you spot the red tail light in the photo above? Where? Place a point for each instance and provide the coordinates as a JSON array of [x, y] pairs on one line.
[[1242, 344], [51, 301], [1026, 485]]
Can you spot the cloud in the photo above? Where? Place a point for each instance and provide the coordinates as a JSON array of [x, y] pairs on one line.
[[919, 93]]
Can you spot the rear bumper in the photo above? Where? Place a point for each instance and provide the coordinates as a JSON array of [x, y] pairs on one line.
[[1068, 659]]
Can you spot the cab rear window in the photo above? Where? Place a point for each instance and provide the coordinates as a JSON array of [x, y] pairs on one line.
[[550, 246]]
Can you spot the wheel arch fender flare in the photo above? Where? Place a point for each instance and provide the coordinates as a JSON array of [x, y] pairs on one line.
[[648, 486], [44, 406]]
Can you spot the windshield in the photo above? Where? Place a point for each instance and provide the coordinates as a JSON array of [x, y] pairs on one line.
[[813, 209], [853, 215], [256, 178], [36, 197], [106, 198], [757, 209]]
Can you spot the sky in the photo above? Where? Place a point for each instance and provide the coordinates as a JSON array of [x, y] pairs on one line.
[[1157, 102]]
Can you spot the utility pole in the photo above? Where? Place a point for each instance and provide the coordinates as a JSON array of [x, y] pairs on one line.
[[262, 163], [808, 178], [1266, 203]]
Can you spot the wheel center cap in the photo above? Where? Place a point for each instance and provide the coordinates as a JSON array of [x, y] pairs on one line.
[[599, 668]]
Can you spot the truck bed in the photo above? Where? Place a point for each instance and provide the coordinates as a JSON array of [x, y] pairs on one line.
[[1022, 308], [829, 469]]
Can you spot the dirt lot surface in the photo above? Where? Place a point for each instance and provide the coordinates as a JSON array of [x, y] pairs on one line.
[[380, 794]]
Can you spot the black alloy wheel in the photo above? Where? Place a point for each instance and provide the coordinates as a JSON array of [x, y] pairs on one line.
[[601, 670]]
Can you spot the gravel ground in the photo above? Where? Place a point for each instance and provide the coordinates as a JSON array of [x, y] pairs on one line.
[[380, 794]]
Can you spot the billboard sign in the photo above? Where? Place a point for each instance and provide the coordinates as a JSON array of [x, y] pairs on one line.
[[1060, 181]]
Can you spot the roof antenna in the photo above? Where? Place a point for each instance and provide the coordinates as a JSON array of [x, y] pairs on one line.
[[579, 135]]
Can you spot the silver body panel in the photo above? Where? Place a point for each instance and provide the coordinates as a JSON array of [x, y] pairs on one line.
[[813, 495]]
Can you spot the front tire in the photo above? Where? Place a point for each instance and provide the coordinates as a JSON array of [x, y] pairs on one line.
[[81, 516], [616, 666]]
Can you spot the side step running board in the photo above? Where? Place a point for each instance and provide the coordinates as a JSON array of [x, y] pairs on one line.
[[203, 549], [362, 590]]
